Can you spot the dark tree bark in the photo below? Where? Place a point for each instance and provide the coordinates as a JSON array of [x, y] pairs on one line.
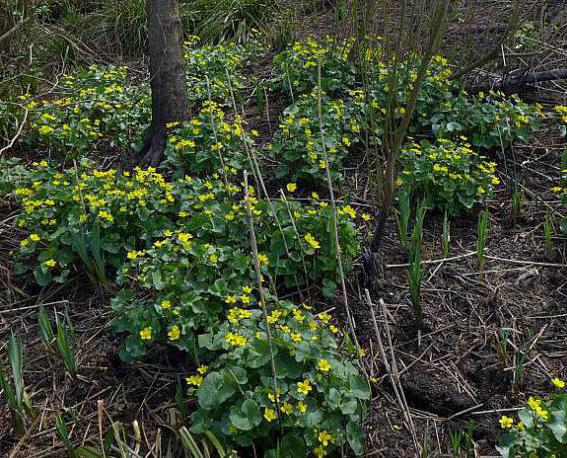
[[167, 75]]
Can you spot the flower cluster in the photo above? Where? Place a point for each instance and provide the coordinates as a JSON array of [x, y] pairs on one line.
[[450, 175], [541, 429], [192, 273], [298, 66], [94, 106], [209, 142], [213, 72], [489, 120], [318, 399], [389, 81], [303, 149], [561, 111], [89, 217]]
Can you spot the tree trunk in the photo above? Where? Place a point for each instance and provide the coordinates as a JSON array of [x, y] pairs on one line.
[[167, 75]]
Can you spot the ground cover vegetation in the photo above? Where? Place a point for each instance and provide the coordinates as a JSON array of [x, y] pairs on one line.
[[234, 258]]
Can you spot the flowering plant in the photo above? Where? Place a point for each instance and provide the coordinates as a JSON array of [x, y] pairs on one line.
[[298, 66], [436, 92], [317, 404], [95, 106], [298, 143], [541, 429], [489, 120], [209, 142], [213, 72], [449, 175], [205, 264], [89, 216]]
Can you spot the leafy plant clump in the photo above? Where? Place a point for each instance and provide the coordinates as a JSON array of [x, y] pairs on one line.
[[314, 404], [449, 175], [313, 135], [209, 142], [96, 106], [388, 81], [298, 66], [489, 120], [214, 72], [191, 274], [89, 217], [541, 429]]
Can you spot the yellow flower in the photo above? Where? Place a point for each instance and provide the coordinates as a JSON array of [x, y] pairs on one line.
[[174, 333], [320, 452], [274, 316], [291, 187], [103, 214], [35, 238], [556, 189], [50, 263], [270, 414], [302, 407], [312, 241], [263, 259], [165, 304], [558, 383], [272, 396], [366, 217], [323, 365], [304, 387], [347, 209], [247, 289], [146, 333], [230, 300], [45, 130], [202, 369], [213, 258], [185, 239], [194, 380], [133, 254], [324, 438], [534, 403], [295, 337], [506, 422], [287, 408], [235, 339]]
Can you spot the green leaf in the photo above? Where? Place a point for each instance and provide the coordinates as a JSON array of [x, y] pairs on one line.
[[246, 416], [214, 391], [329, 287], [157, 280], [558, 425], [258, 354], [312, 419], [359, 387], [507, 443], [292, 446], [355, 437], [41, 276]]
